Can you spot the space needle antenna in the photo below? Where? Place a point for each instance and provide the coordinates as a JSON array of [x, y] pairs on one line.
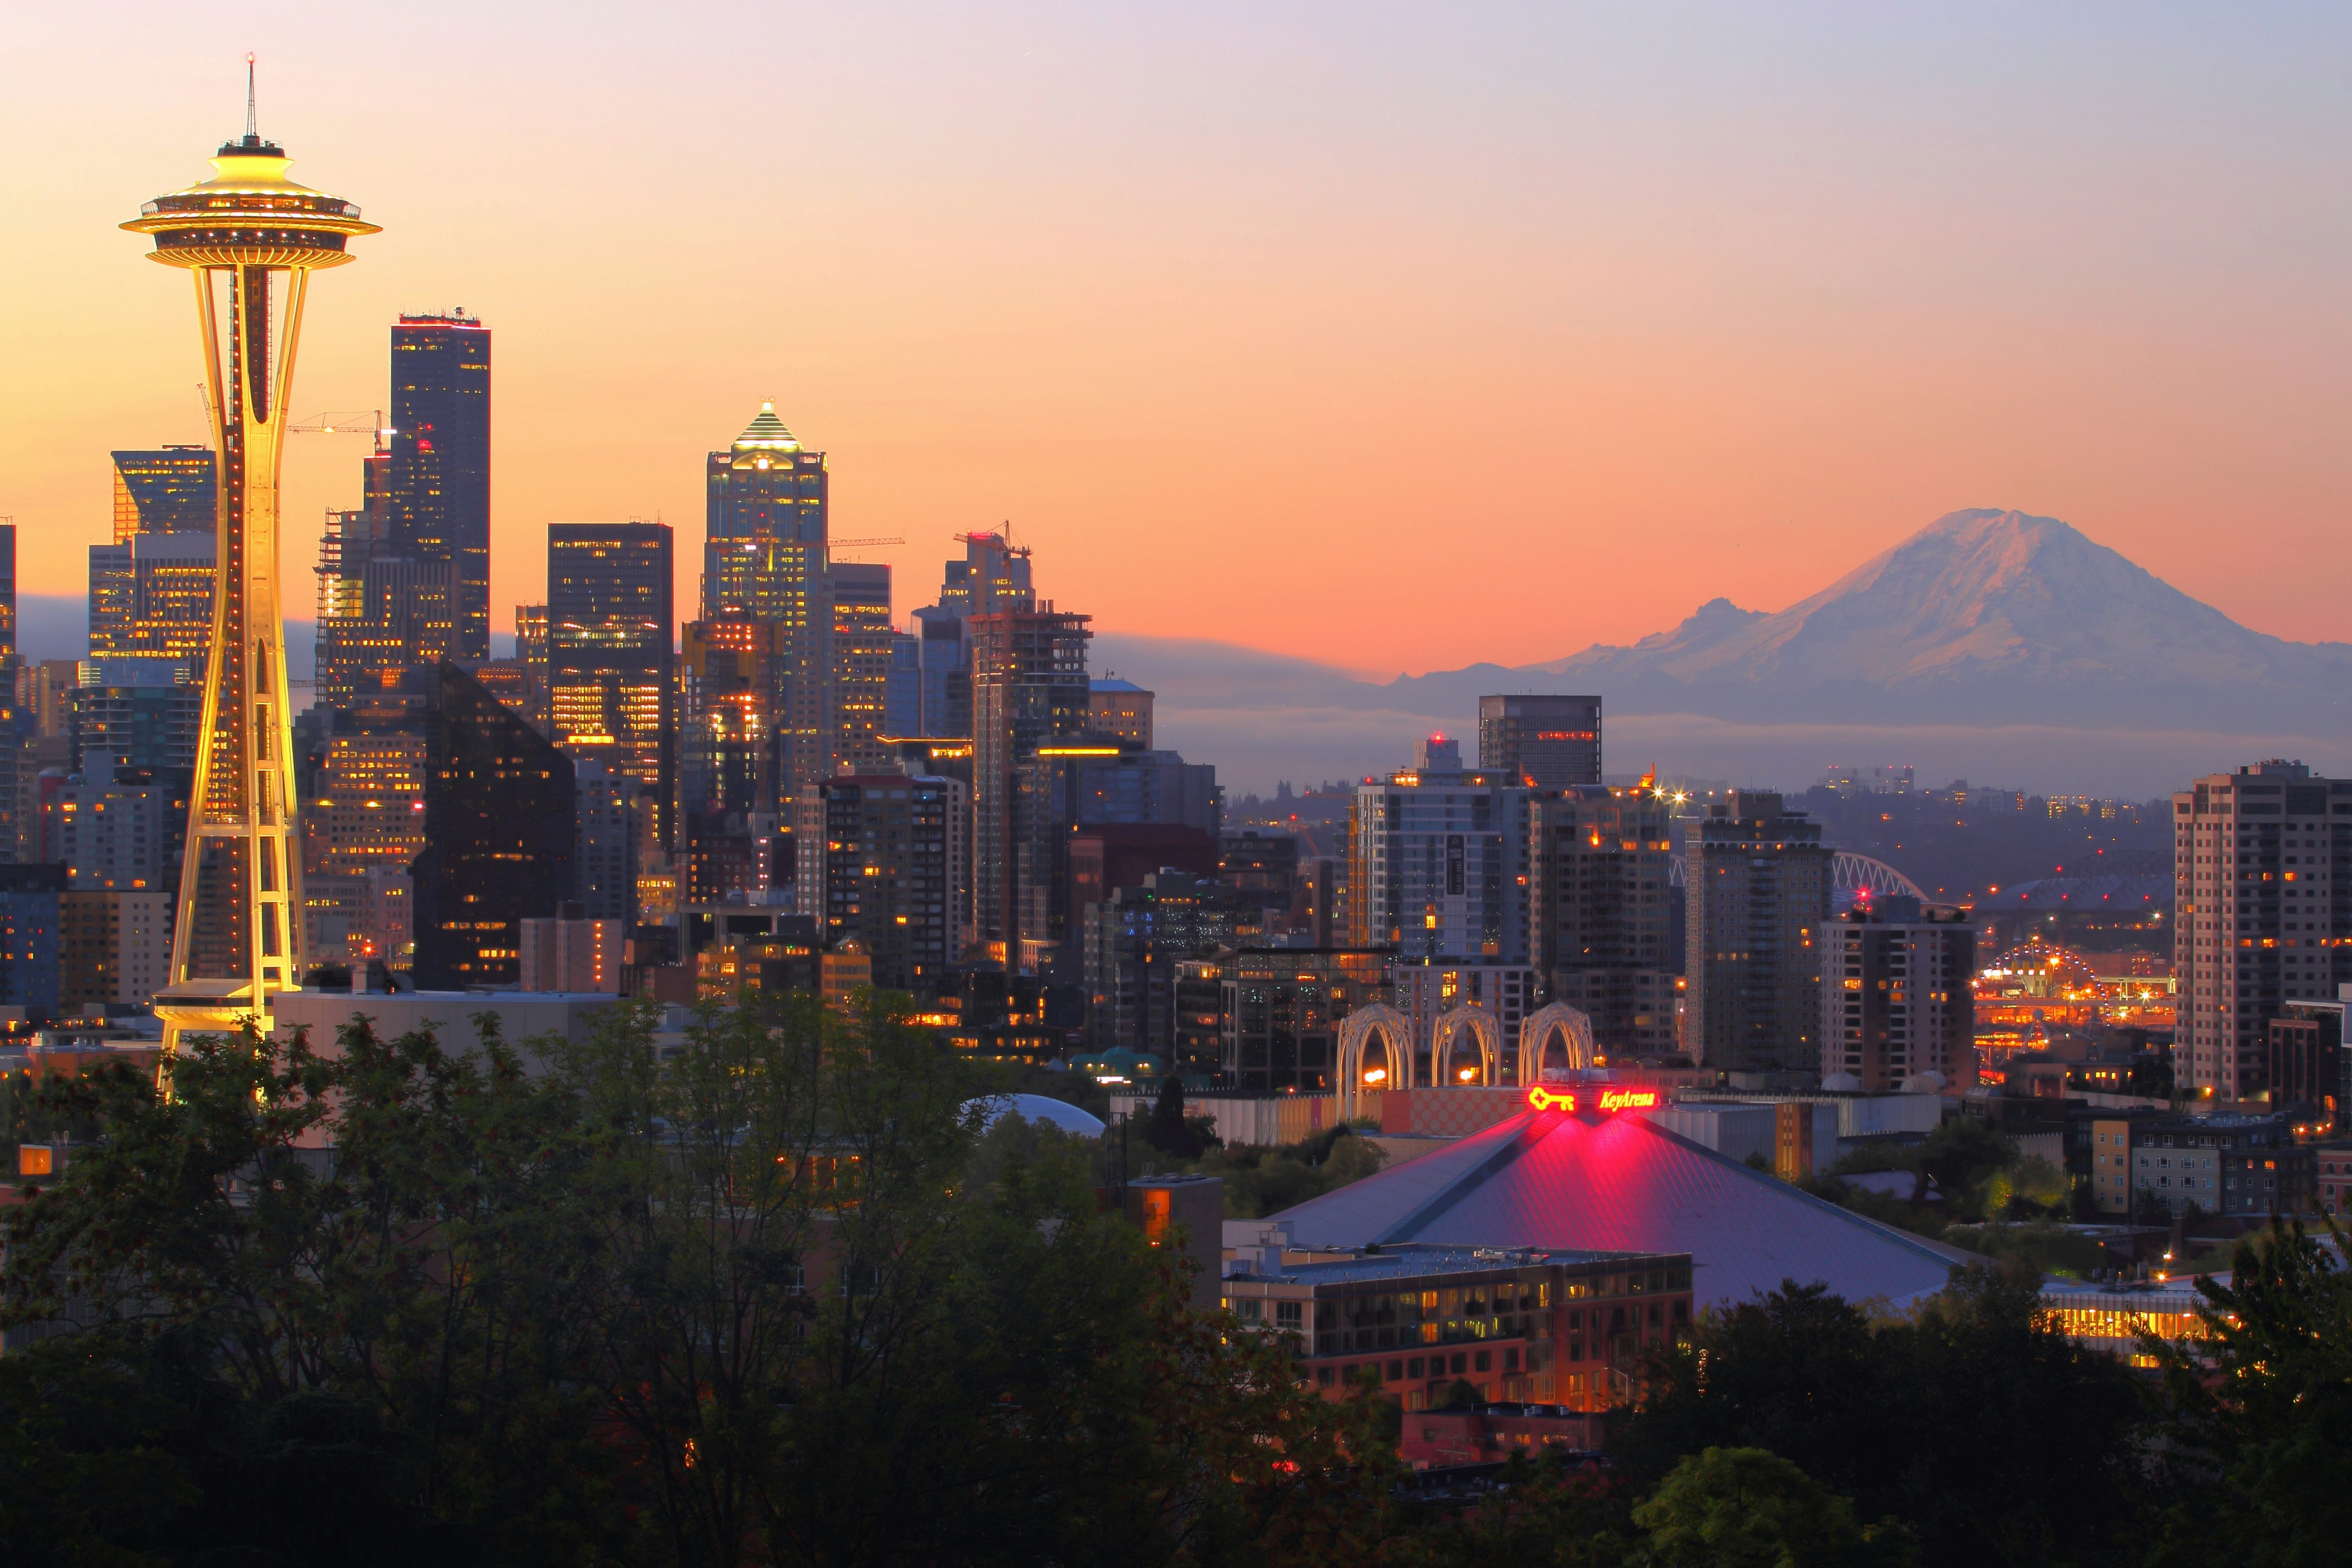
[[252, 127]]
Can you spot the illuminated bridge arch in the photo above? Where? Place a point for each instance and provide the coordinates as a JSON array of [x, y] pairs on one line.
[[1484, 1030], [1574, 1028], [1851, 875], [1356, 1032]]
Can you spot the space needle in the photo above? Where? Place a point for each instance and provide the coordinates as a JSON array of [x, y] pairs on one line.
[[250, 238]]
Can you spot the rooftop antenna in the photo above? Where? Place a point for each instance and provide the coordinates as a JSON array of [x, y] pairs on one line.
[[252, 130]]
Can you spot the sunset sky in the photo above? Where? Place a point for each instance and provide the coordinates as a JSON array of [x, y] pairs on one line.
[[1399, 336]]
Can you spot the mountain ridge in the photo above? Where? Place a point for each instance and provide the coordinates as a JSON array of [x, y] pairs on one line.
[[1983, 616]]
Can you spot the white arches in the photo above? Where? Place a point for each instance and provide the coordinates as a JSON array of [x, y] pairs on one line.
[[1483, 1029], [1356, 1032], [1575, 1029]]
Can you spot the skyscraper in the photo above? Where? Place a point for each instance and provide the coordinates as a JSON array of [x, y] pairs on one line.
[[437, 475], [1601, 911], [167, 490], [992, 578], [2263, 900], [1548, 742], [153, 595], [864, 647], [1758, 879], [727, 753], [8, 592], [877, 860], [1029, 688], [611, 673], [238, 933], [764, 560], [1896, 996], [499, 810], [1439, 864]]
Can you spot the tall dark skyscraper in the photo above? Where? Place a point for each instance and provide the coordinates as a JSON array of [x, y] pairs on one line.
[[1029, 688], [764, 560], [612, 670], [498, 809], [8, 589], [864, 646], [170, 490], [437, 478]]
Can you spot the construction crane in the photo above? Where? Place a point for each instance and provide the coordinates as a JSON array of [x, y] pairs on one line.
[[861, 543], [359, 422]]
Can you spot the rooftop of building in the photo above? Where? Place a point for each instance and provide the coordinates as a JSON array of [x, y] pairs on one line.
[[1560, 1181], [1114, 683], [1409, 1261]]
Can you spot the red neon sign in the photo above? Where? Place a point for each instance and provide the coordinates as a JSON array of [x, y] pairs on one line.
[[1611, 1100]]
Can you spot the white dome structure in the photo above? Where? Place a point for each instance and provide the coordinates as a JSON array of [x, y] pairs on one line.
[[1842, 1083], [1928, 1083], [1058, 1113]]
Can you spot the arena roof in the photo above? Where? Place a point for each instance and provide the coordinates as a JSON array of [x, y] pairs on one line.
[[1584, 1181]]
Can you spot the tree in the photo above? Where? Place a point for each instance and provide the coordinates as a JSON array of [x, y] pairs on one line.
[[2260, 1465], [1978, 1396], [1167, 1131], [1746, 1507]]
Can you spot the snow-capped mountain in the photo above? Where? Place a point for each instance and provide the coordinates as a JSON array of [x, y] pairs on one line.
[[1980, 619]]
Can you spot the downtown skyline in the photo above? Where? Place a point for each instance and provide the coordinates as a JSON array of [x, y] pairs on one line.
[[1625, 313]]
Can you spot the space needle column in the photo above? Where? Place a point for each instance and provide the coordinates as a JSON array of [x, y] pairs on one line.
[[250, 238]]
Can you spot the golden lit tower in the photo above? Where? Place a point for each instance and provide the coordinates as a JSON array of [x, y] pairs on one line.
[[250, 237]]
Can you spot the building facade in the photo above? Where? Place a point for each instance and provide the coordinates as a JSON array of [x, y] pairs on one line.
[[864, 648], [499, 803], [1029, 691], [882, 854], [1265, 1020], [152, 597], [1896, 998], [1600, 911], [114, 947], [1759, 899], [1543, 742], [2263, 902], [437, 472], [763, 559], [1135, 941], [1438, 866], [167, 490]]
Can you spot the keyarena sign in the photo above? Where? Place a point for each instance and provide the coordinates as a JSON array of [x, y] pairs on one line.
[[1609, 1102]]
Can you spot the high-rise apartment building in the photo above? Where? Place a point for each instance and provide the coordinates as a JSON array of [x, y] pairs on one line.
[[2263, 899], [865, 646], [135, 713], [764, 560], [30, 962], [168, 490], [1439, 863], [1546, 742], [1758, 896], [114, 947], [499, 804], [1266, 1020], [1897, 1000], [152, 595], [878, 855], [119, 831], [1029, 689], [1601, 911], [571, 952], [437, 475], [604, 842]]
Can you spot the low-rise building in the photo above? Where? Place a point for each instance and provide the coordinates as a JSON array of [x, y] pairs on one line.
[[2227, 1164], [1566, 1328]]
